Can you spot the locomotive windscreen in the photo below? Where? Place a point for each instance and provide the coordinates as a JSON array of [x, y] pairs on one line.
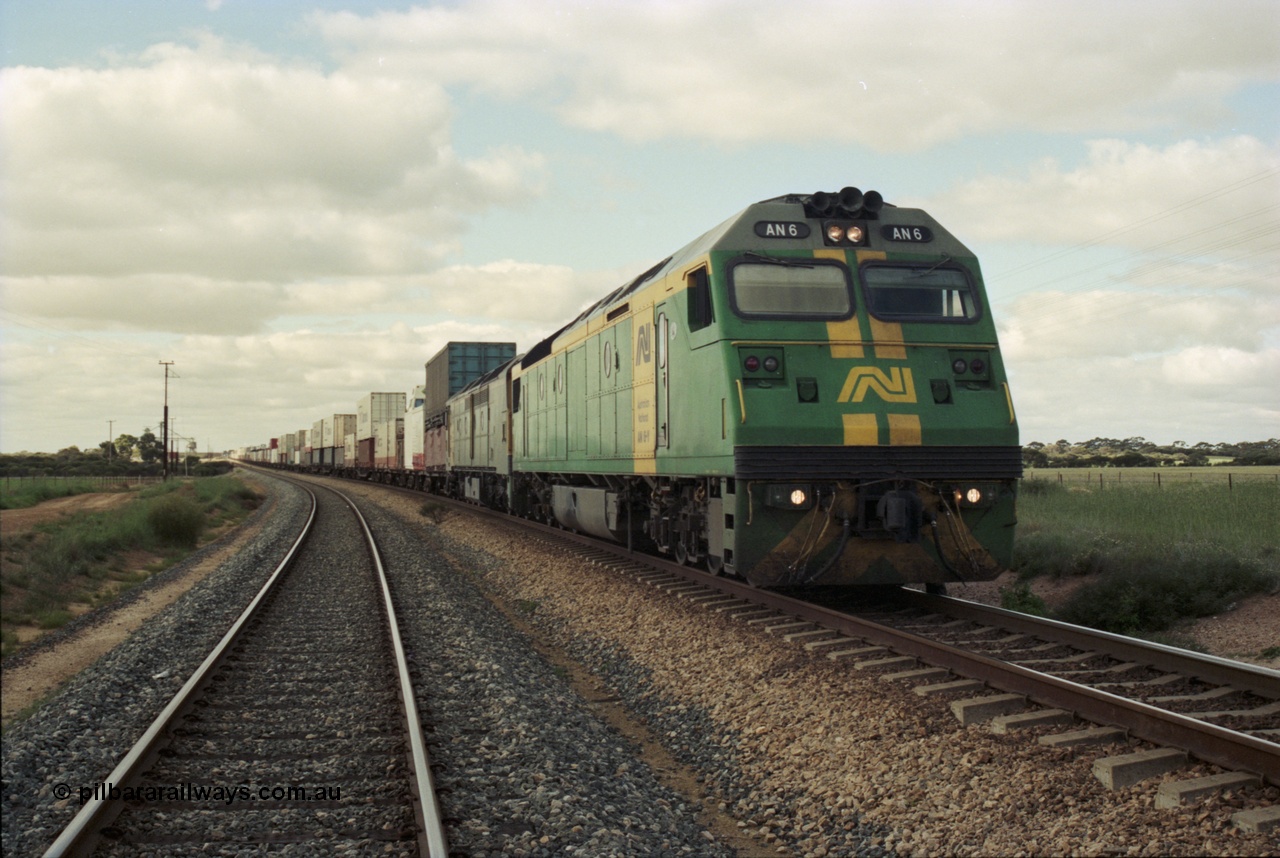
[[919, 293], [812, 289]]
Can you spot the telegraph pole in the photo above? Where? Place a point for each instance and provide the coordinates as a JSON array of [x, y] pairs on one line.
[[111, 444], [165, 445]]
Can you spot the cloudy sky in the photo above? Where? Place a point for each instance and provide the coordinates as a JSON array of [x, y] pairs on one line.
[[300, 201]]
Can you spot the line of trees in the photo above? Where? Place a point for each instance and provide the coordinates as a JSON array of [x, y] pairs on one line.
[[127, 455], [1139, 452]]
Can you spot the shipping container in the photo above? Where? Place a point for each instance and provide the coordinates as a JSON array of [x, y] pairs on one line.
[[413, 430], [349, 448], [337, 428], [435, 441], [375, 408], [364, 452], [389, 449], [457, 365]]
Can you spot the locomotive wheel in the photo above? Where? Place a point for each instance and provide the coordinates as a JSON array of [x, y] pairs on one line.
[[681, 554], [715, 565]]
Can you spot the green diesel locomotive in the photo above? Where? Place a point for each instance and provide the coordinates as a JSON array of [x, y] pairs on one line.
[[810, 393]]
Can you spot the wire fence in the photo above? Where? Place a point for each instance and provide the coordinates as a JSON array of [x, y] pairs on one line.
[[19, 482], [1159, 477]]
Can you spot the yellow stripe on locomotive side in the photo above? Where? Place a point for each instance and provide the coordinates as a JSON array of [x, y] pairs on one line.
[[644, 387]]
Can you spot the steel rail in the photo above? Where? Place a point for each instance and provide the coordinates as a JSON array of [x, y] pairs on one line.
[[1209, 668], [1209, 742], [431, 839], [80, 835], [1206, 741]]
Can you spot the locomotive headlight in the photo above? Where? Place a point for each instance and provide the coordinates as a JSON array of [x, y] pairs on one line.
[[973, 496], [854, 234], [835, 232], [752, 363], [977, 365], [959, 365], [789, 496], [771, 364]]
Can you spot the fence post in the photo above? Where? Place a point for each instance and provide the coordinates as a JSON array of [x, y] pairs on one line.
[[1230, 484]]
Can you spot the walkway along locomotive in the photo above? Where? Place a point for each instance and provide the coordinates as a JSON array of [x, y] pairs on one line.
[[810, 393]]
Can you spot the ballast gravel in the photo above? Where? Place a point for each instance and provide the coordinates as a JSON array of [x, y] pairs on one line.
[[813, 757], [76, 738], [522, 767], [808, 756]]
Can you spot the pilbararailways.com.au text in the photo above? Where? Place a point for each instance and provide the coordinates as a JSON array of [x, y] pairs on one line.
[[190, 792]]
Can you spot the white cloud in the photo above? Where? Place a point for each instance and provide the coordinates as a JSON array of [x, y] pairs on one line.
[[1185, 199], [212, 161], [898, 77], [1197, 394], [1058, 326]]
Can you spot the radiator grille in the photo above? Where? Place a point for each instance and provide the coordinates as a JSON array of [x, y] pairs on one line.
[[842, 463]]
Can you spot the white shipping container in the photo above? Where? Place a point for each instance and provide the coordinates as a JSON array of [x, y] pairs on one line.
[[413, 431], [375, 408], [349, 447], [343, 425], [317, 437], [389, 443]]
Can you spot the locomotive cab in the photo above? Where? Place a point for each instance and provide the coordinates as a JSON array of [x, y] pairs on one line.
[[865, 433]]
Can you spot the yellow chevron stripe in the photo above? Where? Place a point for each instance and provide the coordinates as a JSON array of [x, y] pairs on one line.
[[860, 430], [904, 430]]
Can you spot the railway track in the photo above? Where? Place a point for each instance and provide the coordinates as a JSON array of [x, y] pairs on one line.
[[300, 727], [1015, 671], [1018, 671]]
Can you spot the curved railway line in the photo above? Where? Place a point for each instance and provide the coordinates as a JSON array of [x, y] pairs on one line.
[[299, 700], [1016, 671]]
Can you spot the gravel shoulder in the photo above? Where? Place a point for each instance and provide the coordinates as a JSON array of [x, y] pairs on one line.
[[817, 759], [75, 737]]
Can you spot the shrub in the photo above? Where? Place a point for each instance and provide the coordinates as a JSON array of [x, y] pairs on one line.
[[176, 520], [1020, 598], [1143, 595], [434, 511]]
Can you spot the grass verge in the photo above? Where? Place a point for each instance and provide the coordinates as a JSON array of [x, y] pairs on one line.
[[1154, 556], [88, 559], [29, 492]]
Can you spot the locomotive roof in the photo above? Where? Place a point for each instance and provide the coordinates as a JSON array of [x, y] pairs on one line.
[[739, 232]]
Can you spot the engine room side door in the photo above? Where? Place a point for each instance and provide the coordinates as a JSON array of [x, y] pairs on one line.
[[662, 395]]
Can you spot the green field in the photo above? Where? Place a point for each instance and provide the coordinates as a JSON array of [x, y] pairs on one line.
[[1155, 553]]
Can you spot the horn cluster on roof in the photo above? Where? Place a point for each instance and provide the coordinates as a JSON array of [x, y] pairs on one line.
[[848, 202]]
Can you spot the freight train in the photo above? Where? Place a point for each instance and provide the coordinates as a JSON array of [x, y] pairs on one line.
[[812, 393]]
